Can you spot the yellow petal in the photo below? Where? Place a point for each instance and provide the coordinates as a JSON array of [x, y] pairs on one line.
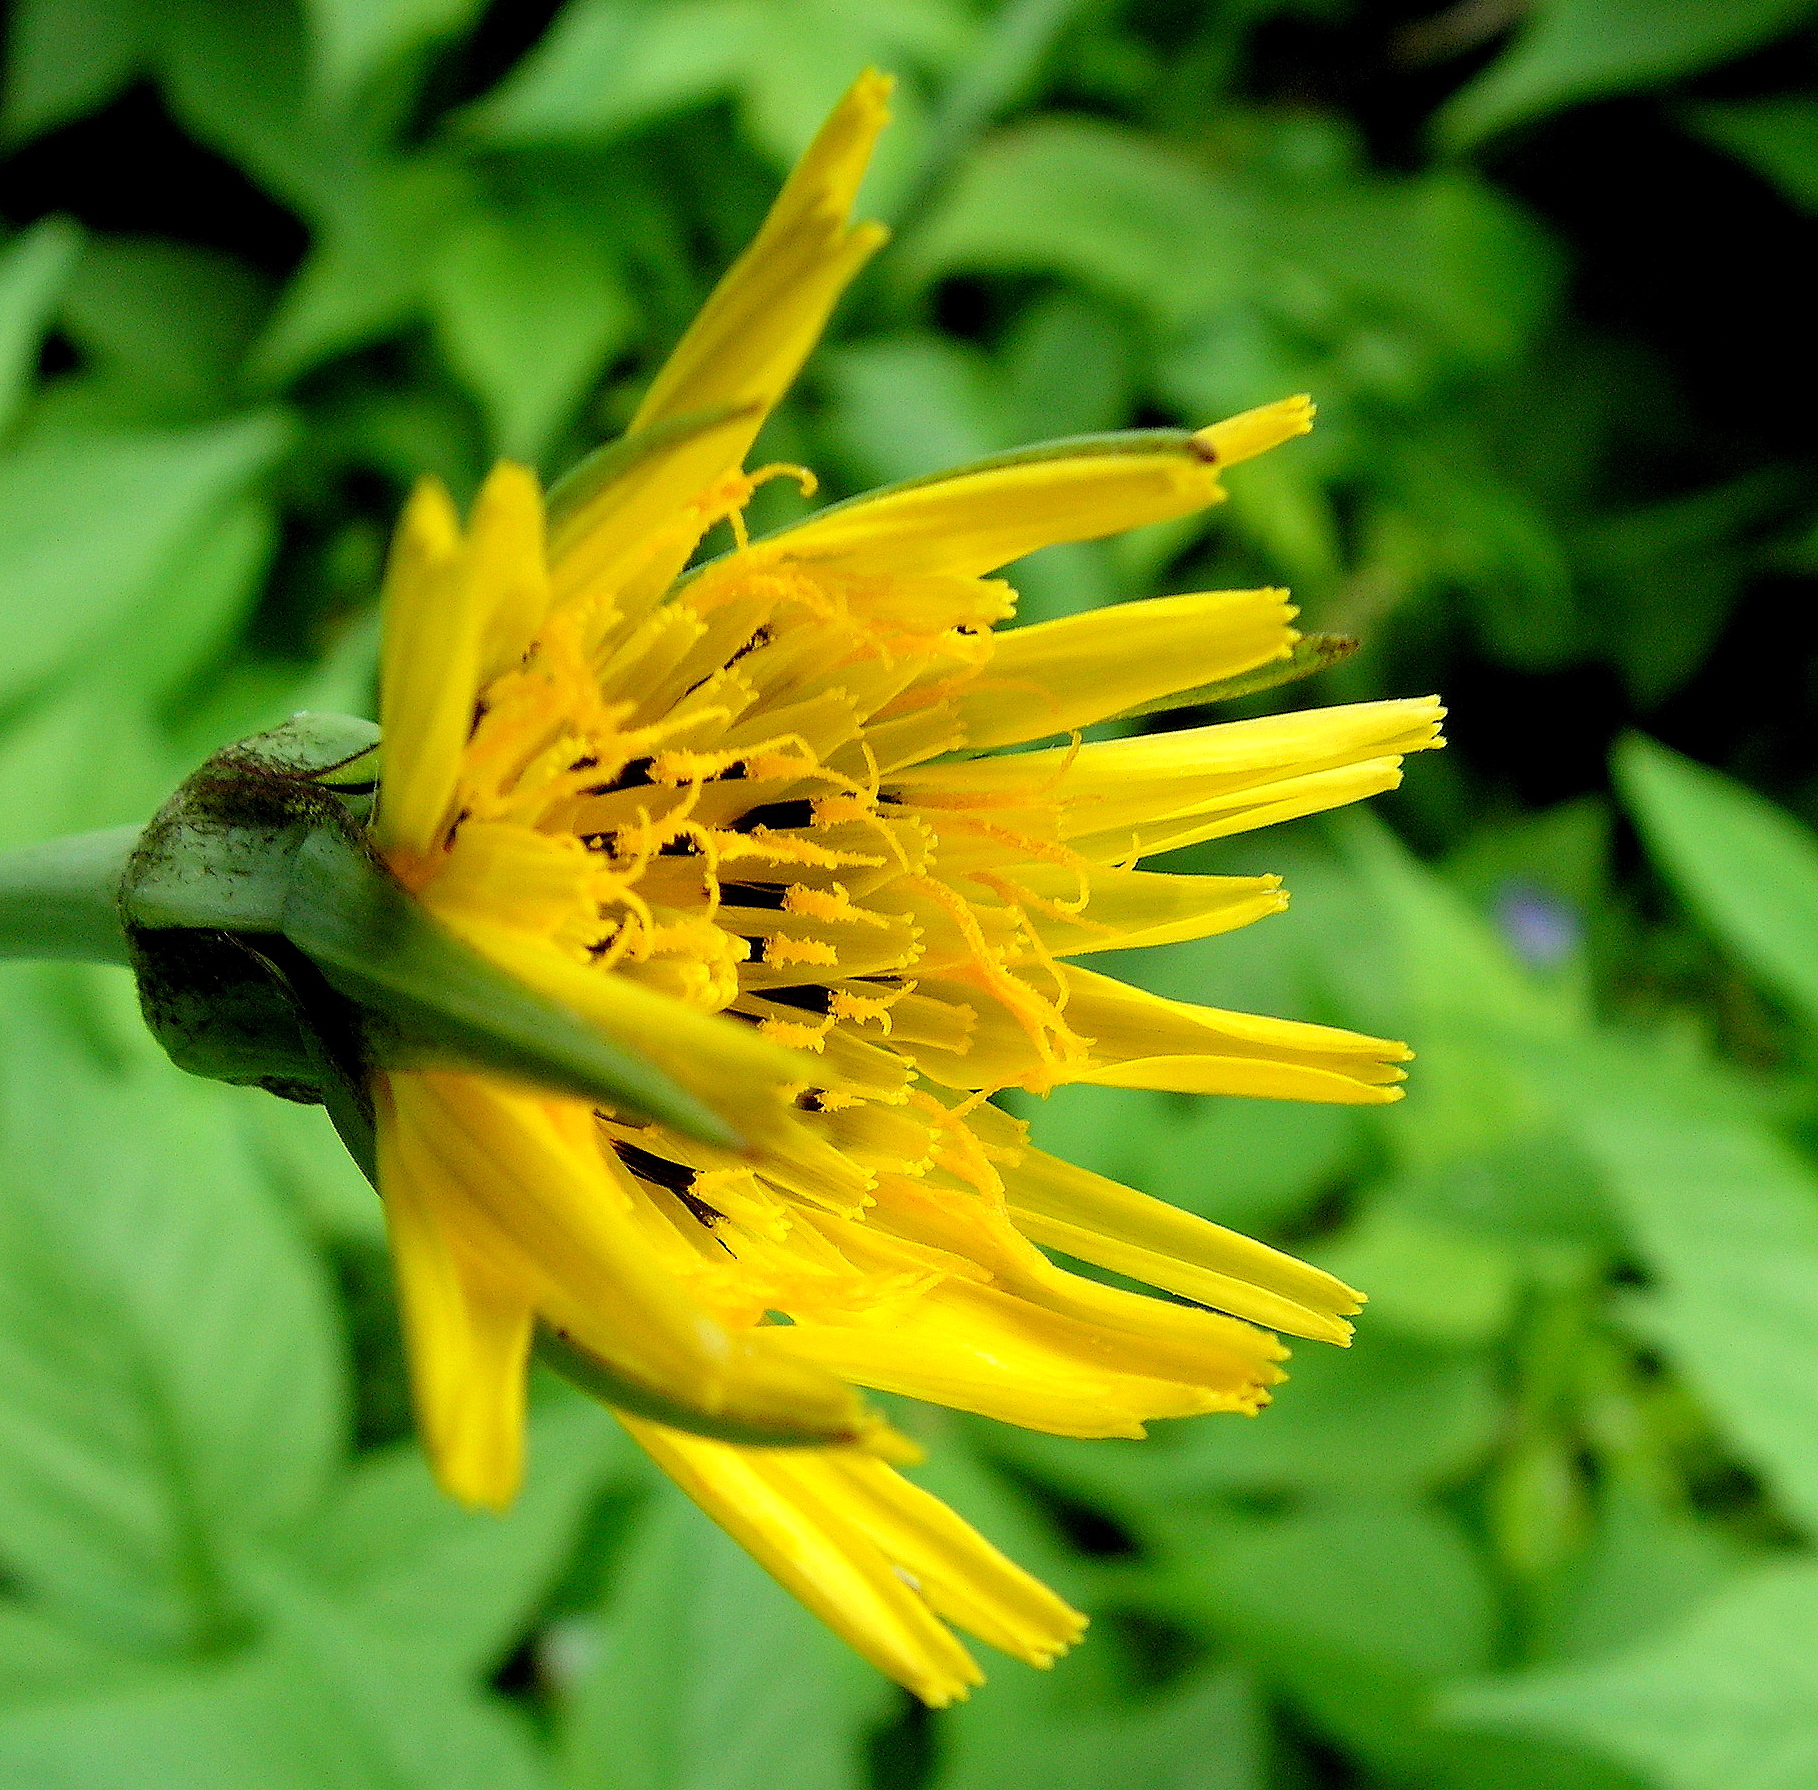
[[1136, 1036], [1123, 799], [980, 1233], [507, 564], [468, 1331], [430, 673], [977, 1348], [457, 612], [738, 357], [803, 1530], [1107, 1032], [615, 533], [962, 1576], [1069, 673], [1254, 432], [1102, 1221], [1245, 809], [1129, 908], [972, 521], [1255, 1078], [1158, 776], [741, 1076], [554, 1216], [496, 872], [752, 335], [975, 519]]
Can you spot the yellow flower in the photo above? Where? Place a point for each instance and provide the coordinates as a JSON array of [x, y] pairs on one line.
[[719, 813]]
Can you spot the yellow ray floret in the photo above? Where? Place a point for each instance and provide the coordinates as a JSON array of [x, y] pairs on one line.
[[1060, 675], [878, 1559], [754, 822], [753, 334], [965, 523]]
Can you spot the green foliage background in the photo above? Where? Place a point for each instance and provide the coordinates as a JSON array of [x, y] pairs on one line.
[[1550, 1523]]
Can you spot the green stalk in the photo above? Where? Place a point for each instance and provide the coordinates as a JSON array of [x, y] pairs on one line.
[[61, 898]]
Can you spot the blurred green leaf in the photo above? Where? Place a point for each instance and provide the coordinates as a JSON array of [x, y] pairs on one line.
[[909, 405], [319, 1703], [307, 1163], [164, 325], [1360, 1614], [1464, 996], [1237, 357], [33, 270], [610, 65], [1495, 275], [1577, 50], [1721, 1702], [1003, 64], [194, 613], [1648, 1565], [1069, 368], [1747, 868], [355, 39], [1383, 1413], [607, 66], [1725, 1215], [53, 781], [260, 1721], [1353, 1611], [458, 1587], [1122, 215], [158, 1308], [1375, 1584], [1204, 1733], [529, 302], [1534, 1187], [238, 81], [1666, 577], [808, 53], [87, 524], [713, 1678], [1563, 850], [42, 1660], [1432, 1282], [1778, 138], [1443, 251], [1474, 532], [66, 57], [1284, 508], [377, 204], [382, 224]]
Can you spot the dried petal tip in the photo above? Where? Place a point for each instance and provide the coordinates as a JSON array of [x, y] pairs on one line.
[[1256, 431]]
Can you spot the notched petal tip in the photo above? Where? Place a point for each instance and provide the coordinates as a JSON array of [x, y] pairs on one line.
[[842, 147], [1254, 432], [873, 87]]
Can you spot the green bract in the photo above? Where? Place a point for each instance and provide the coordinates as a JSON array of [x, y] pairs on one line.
[[272, 948], [1311, 653]]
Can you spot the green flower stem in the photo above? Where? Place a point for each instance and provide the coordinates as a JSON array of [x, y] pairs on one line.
[[61, 898]]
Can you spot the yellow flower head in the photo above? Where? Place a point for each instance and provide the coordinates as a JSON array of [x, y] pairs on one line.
[[736, 817]]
